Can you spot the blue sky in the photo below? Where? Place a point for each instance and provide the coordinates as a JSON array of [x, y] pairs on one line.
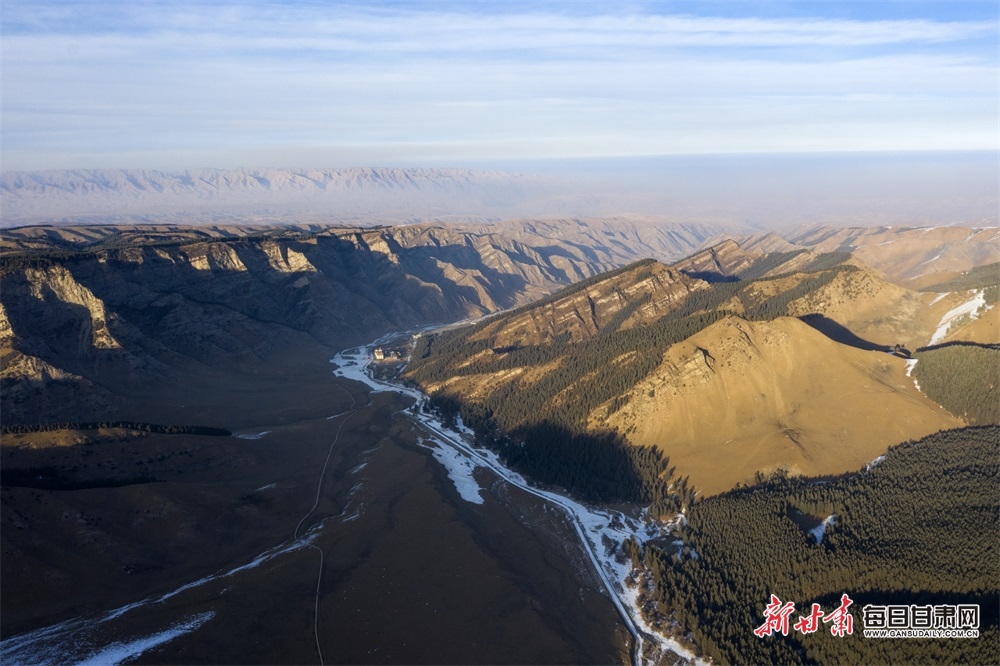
[[296, 83]]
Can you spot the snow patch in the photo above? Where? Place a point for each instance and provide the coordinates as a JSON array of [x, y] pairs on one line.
[[256, 562], [874, 463], [820, 529], [117, 653], [970, 308], [463, 429], [939, 297], [253, 435], [910, 364], [353, 364], [80, 641], [460, 470]]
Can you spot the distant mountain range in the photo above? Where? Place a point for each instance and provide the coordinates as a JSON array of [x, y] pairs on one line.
[[745, 194], [260, 195]]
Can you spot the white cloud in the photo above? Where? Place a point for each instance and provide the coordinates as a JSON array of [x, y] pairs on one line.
[[213, 79]]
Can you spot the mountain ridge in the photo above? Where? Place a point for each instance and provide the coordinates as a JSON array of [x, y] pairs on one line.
[[772, 395], [123, 314], [609, 363], [905, 253]]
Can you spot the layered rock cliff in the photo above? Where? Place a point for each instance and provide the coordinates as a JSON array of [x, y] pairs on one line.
[[93, 313]]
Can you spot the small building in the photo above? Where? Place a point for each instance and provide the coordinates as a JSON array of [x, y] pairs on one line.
[[379, 354], [900, 351]]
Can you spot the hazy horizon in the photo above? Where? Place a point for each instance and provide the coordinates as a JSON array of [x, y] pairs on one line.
[[757, 191]]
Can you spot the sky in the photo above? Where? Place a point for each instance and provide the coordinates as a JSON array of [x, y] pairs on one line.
[[176, 85]]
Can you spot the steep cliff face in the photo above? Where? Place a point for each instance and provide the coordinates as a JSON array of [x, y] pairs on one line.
[[724, 260], [126, 315], [637, 296], [56, 285]]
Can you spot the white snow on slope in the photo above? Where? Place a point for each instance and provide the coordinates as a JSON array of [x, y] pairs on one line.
[[820, 529], [117, 653], [252, 435], [910, 365], [256, 562], [969, 308], [874, 463]]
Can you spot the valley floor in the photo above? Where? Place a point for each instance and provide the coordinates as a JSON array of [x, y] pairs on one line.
[[225, 562]]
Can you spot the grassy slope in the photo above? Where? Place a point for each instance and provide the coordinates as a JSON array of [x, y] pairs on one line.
[[742, 397]]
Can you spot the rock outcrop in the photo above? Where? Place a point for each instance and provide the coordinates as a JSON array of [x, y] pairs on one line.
[[130, 308]]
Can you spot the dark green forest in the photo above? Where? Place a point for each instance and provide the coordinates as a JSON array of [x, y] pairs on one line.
[[980, 277], [963, 378], [22, 428], [920, 527]]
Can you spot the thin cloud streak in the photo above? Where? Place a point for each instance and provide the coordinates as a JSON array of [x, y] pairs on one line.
[[339, 27], [162, 79]]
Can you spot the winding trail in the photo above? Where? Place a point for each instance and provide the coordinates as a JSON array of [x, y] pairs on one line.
[[351, 411], [79, 640]]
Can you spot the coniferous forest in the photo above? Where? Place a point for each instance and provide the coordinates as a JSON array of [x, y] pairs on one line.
[[980, 277], [920, 527], [962, 377]]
